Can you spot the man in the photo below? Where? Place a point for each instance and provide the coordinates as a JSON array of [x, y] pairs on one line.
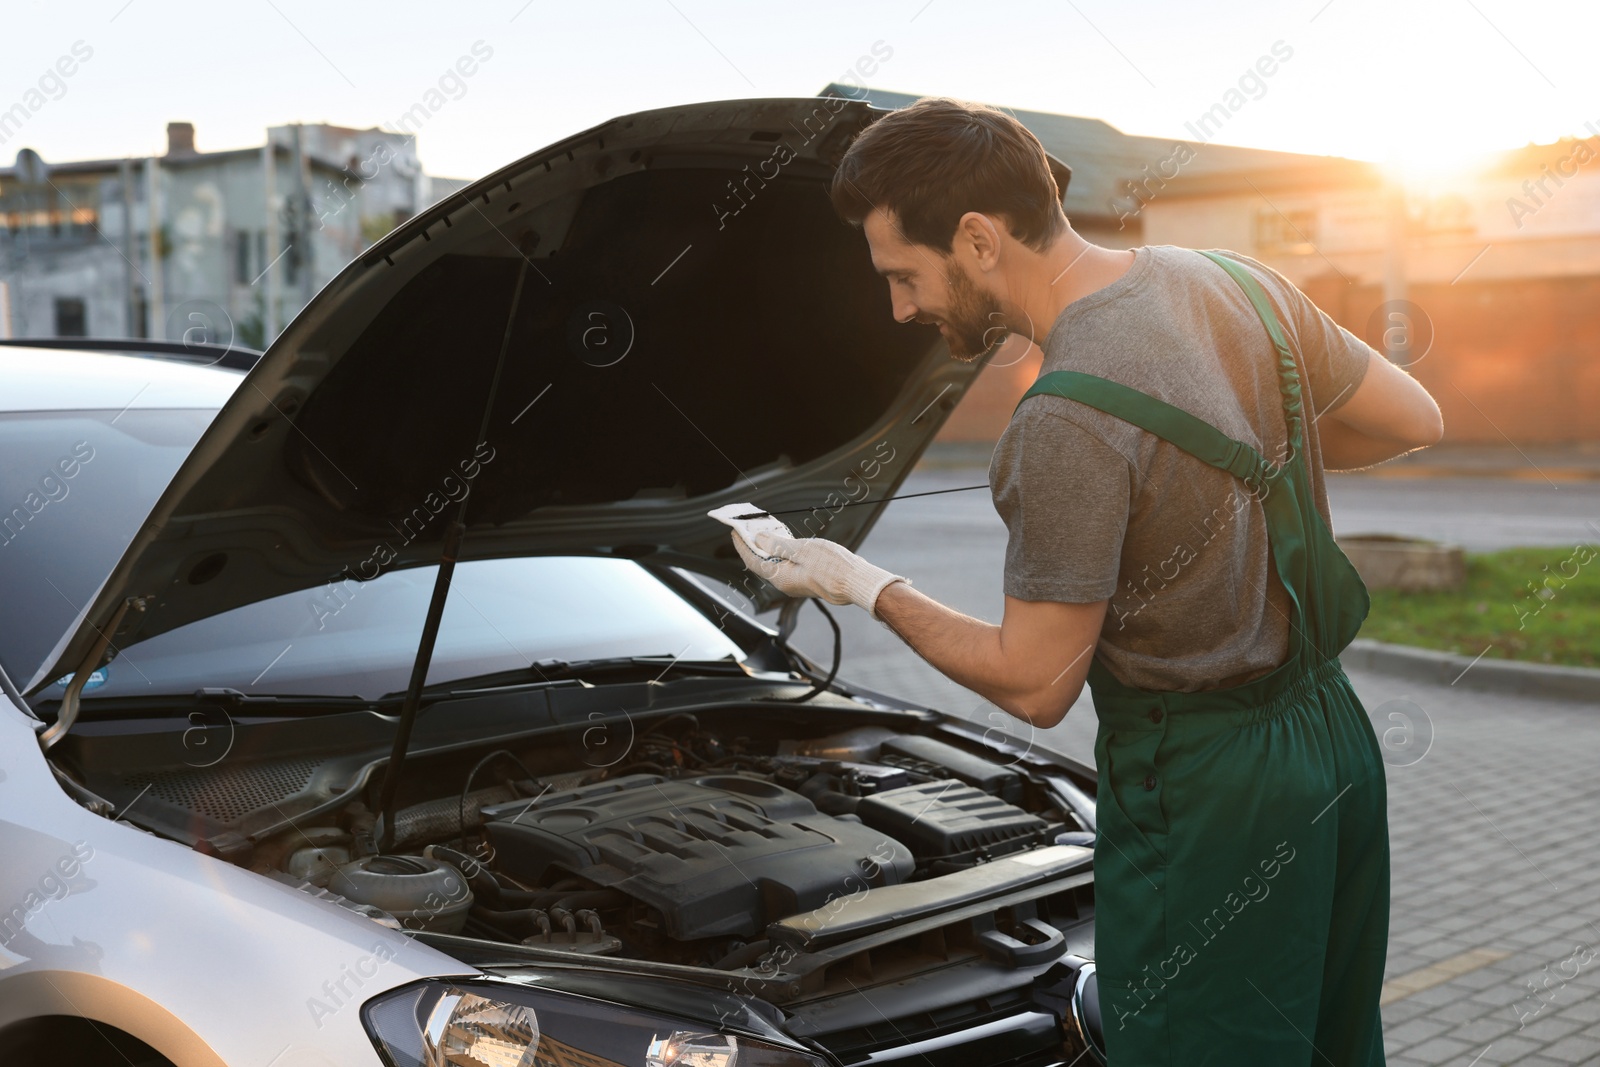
[[1162, 487]]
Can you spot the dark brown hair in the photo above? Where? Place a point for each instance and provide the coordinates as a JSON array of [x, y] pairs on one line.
[[935, 160]]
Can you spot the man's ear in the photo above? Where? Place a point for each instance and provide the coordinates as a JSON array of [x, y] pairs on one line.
[[977, 236]]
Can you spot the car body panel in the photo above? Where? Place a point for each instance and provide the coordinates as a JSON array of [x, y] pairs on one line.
[[195, 353], [47, 379], [464, 347], [765, 368], [100, 938]]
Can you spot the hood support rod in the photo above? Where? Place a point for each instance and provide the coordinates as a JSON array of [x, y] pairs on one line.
[[454, 534]]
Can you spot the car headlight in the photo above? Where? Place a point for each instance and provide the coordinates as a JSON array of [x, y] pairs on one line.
[[440, 1023]]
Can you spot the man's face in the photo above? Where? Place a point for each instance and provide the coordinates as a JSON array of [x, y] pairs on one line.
[[926, 285]]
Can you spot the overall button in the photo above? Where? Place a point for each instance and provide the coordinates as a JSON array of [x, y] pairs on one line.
[[1155, 714], [1149, 781]]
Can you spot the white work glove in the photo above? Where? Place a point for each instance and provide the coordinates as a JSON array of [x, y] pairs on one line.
[[805, 566]]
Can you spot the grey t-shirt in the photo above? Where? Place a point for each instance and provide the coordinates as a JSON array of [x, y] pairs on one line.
[[1099, 509]]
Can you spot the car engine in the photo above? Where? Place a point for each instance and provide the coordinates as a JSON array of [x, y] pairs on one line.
[[691, 850], [716, 856], [878, 875]]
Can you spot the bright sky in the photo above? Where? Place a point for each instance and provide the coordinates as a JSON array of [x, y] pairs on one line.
[[1426, 82]]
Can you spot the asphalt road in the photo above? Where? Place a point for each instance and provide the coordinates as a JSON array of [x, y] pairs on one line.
[[1495, 931], [1480, 514]]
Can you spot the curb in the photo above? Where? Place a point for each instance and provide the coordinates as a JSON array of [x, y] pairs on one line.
[[1421, 471], [1492, 675]]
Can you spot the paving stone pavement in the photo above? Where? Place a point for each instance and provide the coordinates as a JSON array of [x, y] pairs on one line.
[[1493, 806]]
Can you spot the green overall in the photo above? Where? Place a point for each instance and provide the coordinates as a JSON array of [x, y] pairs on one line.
[[1242, 856]]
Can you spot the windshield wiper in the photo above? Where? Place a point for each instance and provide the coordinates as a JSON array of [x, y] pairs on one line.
[[227, 699], [636, 666], [583, 672], [233, 698]]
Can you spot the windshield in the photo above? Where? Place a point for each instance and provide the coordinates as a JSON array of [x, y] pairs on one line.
[[74, 486], [359, 638]]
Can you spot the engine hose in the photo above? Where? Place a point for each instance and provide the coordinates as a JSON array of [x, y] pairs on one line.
[[818, 685], [476, 927], [529, 898], [442, 819], [472, 867], [520, 918], [486, 885], [589, 899]]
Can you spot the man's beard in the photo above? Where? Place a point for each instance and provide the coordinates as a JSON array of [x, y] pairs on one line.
[[974, 321]]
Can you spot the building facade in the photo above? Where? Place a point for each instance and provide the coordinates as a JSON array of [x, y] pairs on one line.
[[1117, 179], [1484, 284], [222, 246]]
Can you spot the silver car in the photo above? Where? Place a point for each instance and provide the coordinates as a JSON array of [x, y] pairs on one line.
[[396, 702]]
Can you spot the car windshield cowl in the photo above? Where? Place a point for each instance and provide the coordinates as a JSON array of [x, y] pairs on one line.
[[585, 672], [142, 705], [629, 672]]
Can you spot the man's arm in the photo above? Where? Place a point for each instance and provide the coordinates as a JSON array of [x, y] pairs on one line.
[[1032, 665], [1062, 561], [1387, 415], [1369, 409]]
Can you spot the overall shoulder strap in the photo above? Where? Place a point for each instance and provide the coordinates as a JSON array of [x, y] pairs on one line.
[[1174, 425], [1288, 375], [1258, 298]]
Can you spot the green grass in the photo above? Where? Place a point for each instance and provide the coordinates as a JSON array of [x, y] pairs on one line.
[[1497, 609]]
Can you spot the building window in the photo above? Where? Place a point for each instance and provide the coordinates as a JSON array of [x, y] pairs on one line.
[[71, 320], [241, 257], [1286, 231]]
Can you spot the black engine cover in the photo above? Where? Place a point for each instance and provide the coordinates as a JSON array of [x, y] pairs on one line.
[[951, 820], [717, 856]]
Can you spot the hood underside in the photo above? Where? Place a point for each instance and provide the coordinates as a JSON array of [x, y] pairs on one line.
[[685, 324]]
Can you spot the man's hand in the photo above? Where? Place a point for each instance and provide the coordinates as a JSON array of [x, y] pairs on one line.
[[813, 566], [1033, 665]]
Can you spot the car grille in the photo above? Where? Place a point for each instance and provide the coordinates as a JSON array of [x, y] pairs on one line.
[[908, 1029]]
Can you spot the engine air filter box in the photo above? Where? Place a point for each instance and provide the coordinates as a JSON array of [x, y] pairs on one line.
[[950, 820], [928, 755]]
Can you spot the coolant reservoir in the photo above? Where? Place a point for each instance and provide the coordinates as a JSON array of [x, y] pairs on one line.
[[424, 894], [316, 865]]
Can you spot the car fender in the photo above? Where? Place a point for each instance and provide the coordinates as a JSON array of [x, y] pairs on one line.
[[206, 962]]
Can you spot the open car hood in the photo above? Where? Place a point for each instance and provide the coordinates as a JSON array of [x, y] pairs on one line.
[[687, 324]]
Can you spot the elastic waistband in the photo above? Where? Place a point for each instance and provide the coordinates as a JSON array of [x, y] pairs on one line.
[[1136, 710]]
